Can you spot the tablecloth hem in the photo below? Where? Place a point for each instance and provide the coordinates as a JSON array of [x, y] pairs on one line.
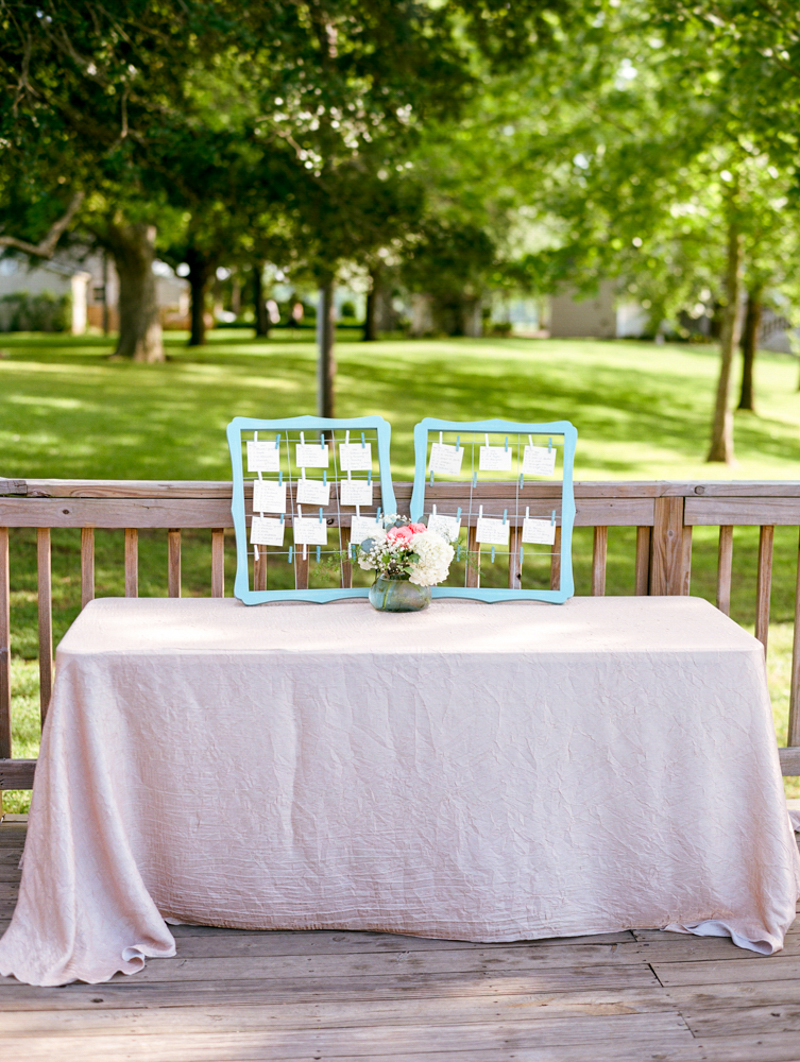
[[133, 958], [767, 945]]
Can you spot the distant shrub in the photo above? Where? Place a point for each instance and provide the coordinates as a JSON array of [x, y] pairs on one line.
[[500, 328], [348, 309], [45, 312]]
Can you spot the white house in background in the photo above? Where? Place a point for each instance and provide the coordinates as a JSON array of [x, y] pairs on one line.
[[93, 288], [54, 277], [600, 316]]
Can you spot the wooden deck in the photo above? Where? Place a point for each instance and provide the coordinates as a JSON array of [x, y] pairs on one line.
[[232, 996]]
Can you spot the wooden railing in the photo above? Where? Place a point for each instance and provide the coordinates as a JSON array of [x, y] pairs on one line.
[[663, 514]]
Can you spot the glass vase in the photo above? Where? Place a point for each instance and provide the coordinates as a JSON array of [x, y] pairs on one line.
[[398, 595]]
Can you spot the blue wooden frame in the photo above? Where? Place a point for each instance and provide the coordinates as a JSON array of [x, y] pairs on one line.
[[570, 436], [237, 426]]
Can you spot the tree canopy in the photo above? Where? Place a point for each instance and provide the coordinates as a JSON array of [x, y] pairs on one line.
[[470, 145]]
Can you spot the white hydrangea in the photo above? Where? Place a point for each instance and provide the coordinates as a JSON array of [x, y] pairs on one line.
[[435, 554]]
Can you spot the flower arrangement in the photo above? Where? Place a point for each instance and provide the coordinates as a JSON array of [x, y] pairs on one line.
[[406, 551]]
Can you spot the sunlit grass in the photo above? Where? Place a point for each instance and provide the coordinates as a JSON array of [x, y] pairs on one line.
[[642, 412]]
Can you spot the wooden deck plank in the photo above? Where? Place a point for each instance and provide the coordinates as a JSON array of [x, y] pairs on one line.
[[362, 1042], [239, 996], [751, 971], [774, 1017], [753, 1048], [427, 1009], [576, 985], [495, 960], [497, 1045]]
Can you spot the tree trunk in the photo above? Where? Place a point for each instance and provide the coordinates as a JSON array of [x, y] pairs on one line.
[[133, 248], [106, 328], [749, 339], [326, 366], [259, 303], [722, 428], [371, 315], [200, 269]]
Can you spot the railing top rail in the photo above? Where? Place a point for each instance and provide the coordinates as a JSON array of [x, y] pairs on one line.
[[221, 489]]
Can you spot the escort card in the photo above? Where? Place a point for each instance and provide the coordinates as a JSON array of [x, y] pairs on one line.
[[492, 532], [447, 526], [446, 460], [266, 531], [311, 455], [269, 496], [312, 492], [495, 459], [353, 457], [538, 532], [363, 527], [538, 461], [263, 457], [310, 531], [355, 492]]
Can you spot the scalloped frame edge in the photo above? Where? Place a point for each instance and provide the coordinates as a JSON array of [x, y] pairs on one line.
[[557, 427], [241, 587]]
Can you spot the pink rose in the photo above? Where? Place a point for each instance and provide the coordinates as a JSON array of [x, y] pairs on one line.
[[417, 528], [400, 534]]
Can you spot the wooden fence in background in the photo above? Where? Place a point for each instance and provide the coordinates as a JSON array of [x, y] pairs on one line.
[[663, 514]]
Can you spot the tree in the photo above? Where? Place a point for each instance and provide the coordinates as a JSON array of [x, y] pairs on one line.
[[647, 163], [93, 84], [355, 86]]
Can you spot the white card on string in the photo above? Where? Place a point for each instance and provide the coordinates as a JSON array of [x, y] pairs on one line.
[[446, 526], [446, 460], [355, 492], [363, 527], [266, 531], [263, 457], [269, 496], [538, 532], [495, 459], [310, 531], [492, 532], [312, 492], [311, 455], [539, 461], [353, 457]]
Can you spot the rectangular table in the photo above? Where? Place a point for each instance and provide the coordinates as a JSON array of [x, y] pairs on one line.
[[473, 771]]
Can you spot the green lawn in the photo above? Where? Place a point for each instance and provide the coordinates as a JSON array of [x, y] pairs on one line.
[[642, 412]]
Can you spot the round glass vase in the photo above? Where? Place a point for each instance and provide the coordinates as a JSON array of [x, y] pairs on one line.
[[398, 595]]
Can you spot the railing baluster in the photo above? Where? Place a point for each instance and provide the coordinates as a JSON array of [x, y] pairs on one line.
[[514, 559], [131, 562], [218, 562], [666, 568], [260, 570], [301, 568], [87, 565], [686, 562], [174, 562], [45, 585], [5, 648], [599, 561], [764, 583], [555, 561], [473, 557], [793, 736], [347, 564], [724, 569], [642, 571]]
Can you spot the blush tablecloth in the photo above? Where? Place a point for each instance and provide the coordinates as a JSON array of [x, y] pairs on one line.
[[480, 772]]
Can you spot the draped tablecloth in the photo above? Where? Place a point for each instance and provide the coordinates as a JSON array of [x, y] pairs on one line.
[[478, 772]]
